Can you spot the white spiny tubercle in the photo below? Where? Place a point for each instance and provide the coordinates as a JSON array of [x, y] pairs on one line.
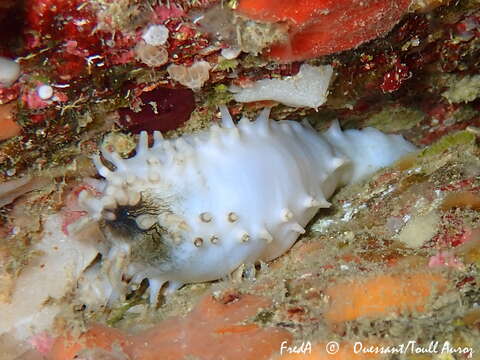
[[121, 197], [153, 176], [215, 129], [307, 124], [110, 191], [179, 159], [182, 225], [172, 287], [116, 160], [162, 218], [197, 142], [133, 197], [109, 202], [85, 199], [227, 121], [155, 287], [173, 221], [266, 236], [214, 239], [184, 147], [108, 155], [324, 204], [177, 239], [145, 221], [235, 131], [244, 237], [215, 137], [198, 242], [206, 217], [168, 147], [108, 215], [244, 121], [142, 145], [232, 217], [181, 144], [312, 202], [117, 180], [138, 277], [152, 161], [130, 180], [338, 161], [287, 215], [297, 228], [157, 137], [102, 169], [264, 114]]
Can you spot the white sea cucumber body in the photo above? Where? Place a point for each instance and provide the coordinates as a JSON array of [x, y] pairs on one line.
[[236, 194]]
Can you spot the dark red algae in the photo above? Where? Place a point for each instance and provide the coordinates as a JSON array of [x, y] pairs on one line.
[[161, 109]]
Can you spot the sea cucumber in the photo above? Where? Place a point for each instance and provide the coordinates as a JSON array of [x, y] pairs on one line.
[[195, 208]]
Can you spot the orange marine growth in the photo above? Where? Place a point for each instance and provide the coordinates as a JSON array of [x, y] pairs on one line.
[[8, 126], [214, 329], [321, 27]]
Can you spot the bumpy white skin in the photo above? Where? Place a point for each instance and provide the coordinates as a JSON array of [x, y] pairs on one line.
[[232, 195]]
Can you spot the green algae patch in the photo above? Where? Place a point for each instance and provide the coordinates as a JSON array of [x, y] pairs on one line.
[[219, 96], [464, 137], [394, 119], [227, 65], [464, 90]]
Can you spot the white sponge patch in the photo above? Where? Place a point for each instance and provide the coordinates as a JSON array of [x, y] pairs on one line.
[[309, 88]]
